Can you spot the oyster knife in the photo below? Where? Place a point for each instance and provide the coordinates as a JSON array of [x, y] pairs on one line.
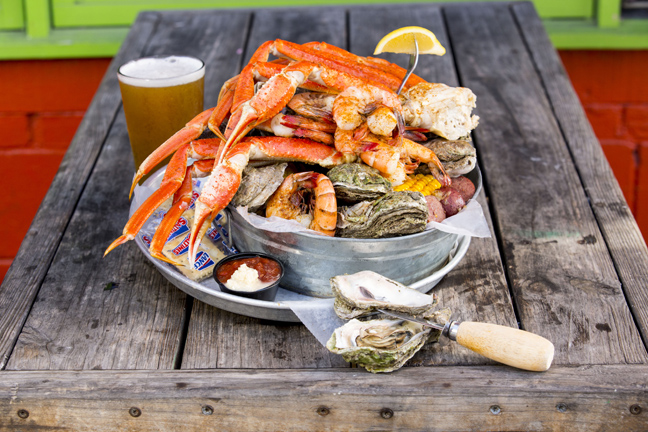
[[510, 346]]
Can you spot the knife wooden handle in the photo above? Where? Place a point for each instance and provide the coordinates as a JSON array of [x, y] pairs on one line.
[[513, 347]]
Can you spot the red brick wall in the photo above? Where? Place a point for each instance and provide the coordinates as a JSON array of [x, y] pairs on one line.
[[41, 106], [42, 103], [613, 89]]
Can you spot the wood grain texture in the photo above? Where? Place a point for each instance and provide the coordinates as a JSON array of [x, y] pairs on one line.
[[219, 339], [563, 280], [299, 25], [595, 398], [619, 228], [476, 289], [24, 278], [75, 323], [216, 37]]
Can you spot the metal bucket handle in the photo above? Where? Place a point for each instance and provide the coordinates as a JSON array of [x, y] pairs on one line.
[[228, 238]]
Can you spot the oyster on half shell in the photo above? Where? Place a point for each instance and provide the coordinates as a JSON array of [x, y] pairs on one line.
[[380, 345], [394, 214], [383, 345], [355, 182], [362, 293]]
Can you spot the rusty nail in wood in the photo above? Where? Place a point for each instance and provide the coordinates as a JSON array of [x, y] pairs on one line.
[[135, 412], [495, 410], [207, 410], [386, 413], [323, 411], [635, 409], [23, 413], [561, 407]]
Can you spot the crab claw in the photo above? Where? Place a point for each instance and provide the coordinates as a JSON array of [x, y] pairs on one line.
[[191, 131], [173, 178], [268, 102], [218, 191]]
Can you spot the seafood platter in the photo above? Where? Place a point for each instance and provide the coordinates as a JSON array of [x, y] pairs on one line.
[[318, 136]]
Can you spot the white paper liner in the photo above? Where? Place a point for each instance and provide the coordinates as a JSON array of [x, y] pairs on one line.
[[319, 317], [470, 221]]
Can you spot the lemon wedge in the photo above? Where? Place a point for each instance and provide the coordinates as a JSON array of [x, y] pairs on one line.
[[402, 41]]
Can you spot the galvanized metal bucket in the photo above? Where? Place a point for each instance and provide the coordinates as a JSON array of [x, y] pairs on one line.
[[310, 260]]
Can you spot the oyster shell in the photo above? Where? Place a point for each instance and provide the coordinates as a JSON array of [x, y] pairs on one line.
[[383, 345], [394, 214], [378, 345], [363, 292], [258, 184], [355, 182], [457, 156]]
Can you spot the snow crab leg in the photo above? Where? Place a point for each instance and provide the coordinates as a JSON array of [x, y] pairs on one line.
[[174, 178], [226, 177]]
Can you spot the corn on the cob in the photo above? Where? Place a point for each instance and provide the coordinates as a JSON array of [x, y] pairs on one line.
[[426, 184]]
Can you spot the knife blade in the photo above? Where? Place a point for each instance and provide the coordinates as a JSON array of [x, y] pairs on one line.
[[510, 346], [411, 318]]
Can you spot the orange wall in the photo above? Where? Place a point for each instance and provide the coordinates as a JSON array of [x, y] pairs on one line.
[[42, 103]]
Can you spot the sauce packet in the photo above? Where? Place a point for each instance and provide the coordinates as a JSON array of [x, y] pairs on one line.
[[213, 246]]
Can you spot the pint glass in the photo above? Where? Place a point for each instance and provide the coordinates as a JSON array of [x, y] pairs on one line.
[[160, 95]]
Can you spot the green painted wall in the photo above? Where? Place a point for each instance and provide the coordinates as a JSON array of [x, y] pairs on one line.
[[96, 28]]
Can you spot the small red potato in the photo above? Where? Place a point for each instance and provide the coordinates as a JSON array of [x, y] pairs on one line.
[[451, 200], [435, 209], [464, 186]]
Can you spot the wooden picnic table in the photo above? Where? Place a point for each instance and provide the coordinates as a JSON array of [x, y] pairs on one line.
[[566, 261]]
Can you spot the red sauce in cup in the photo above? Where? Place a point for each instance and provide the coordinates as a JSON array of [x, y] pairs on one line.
[[269, 270]]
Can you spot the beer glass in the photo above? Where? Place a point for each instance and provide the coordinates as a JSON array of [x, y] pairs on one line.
[[160, 95]]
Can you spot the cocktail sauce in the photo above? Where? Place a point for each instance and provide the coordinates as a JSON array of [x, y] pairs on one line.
[[269, 270]]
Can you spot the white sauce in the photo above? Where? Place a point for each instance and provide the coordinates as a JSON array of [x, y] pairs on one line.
[[245, 279]]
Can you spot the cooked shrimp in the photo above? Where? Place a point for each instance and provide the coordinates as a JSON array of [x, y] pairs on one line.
[[297, 126], [313, 105], [382, 121], [353, 104], [417, 153], [289, 202]]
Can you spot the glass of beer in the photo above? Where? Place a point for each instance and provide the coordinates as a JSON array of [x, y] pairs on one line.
[[160, 95]]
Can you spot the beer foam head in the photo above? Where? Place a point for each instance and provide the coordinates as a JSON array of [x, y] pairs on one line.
[[161, 71]]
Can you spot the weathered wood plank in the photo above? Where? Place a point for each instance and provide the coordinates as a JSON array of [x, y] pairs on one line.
[[563, 280], [596, 398], [368, 25], [75, 323], [299, 25], [216, 37], [618, 226], [480, 276], [219, 339], [24, 278]]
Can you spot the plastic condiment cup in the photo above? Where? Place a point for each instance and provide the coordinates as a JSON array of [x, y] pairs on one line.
[[268, 293]]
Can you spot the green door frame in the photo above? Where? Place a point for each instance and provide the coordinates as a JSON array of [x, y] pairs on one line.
[[27, 30]]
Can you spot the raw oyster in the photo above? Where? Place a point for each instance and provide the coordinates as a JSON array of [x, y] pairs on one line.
[[355, 182], [378, 345], [363, 292], [383, 345], [258, 184], [394, 214], [457, 156]]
